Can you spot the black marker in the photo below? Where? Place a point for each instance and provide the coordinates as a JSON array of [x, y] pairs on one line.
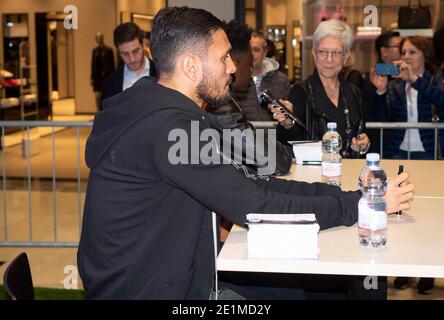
[[400, 170]]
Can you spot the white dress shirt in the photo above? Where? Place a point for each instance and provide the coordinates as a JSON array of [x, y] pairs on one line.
[[130, 77], [412, 116]]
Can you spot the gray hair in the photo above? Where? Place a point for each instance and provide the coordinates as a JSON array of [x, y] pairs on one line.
[[334, 28]]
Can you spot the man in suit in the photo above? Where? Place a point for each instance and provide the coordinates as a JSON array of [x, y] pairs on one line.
[[102, 64], [128, 38]]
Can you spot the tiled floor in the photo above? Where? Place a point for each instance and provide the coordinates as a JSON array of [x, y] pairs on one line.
[[56, 267]]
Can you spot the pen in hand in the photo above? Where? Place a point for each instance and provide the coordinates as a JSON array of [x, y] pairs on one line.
[[400, 170]]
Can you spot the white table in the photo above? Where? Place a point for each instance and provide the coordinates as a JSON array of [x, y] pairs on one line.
[[415, 243]]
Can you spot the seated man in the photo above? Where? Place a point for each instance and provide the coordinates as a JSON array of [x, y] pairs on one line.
[[156, 176]]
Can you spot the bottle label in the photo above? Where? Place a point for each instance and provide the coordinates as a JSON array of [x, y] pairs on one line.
[[371, 219], [331, 169]]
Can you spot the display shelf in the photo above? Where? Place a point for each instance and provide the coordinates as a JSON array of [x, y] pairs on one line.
[[356, 38], [428, 33]]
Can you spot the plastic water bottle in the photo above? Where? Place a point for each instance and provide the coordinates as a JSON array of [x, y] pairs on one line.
[[372, 221], [331, 158]]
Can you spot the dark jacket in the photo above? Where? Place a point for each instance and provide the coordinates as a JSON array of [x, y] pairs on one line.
[[272, 79], [277, 82], [392, 107], [254, 110], [231, 116], [313, 107], [147, 231], [113, 84], [102, 64]]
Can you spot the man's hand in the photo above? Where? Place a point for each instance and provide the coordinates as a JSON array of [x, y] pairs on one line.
[[380, 82], [399, 193], [279, 113]]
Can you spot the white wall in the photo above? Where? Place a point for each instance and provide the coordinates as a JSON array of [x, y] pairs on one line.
[[223, 9], [94, 16]]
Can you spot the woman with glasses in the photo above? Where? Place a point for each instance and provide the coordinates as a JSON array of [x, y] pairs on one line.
[[325, 96]]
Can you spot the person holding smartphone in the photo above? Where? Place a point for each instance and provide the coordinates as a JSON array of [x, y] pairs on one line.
[[326, 96], [415, 95]]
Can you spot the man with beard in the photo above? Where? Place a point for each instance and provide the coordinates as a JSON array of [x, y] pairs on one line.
[[128, 38], [147, 228]]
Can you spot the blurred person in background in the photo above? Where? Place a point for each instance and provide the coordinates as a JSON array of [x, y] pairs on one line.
[[102, 64], [266, 74], [388, 50]]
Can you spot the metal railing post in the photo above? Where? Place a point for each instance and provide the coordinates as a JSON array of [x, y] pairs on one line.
[[27, 149], [54, 189], [5, 194]]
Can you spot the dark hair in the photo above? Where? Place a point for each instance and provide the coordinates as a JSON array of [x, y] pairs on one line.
[[258, 34], [383, 40], [127, 32], [438, 45], [177, 30], [239, 36], [425, 46], [271, 49]]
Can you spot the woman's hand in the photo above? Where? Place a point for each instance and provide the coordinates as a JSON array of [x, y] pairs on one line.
[[406, 71], [360, 144], [399, 193], [279, 113]]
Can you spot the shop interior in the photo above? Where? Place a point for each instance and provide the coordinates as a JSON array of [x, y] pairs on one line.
[[45, 67]]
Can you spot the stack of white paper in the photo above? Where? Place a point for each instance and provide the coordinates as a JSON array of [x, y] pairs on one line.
[[307, 152], [287, 236]]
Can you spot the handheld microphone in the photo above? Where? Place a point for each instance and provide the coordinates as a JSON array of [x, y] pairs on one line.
[[267, 96]]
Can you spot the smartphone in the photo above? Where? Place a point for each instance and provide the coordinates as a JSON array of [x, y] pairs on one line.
[[268, 97], [387, 69]]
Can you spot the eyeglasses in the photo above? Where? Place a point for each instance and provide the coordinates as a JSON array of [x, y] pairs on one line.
[[323, 54], [393, 46]]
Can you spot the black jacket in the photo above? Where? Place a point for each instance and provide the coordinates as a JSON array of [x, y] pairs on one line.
[[102, 64], [231, 116], [113, 84], [146, 230]]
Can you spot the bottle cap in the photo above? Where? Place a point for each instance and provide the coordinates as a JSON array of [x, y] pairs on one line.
[[372, 157], [331, 126]]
